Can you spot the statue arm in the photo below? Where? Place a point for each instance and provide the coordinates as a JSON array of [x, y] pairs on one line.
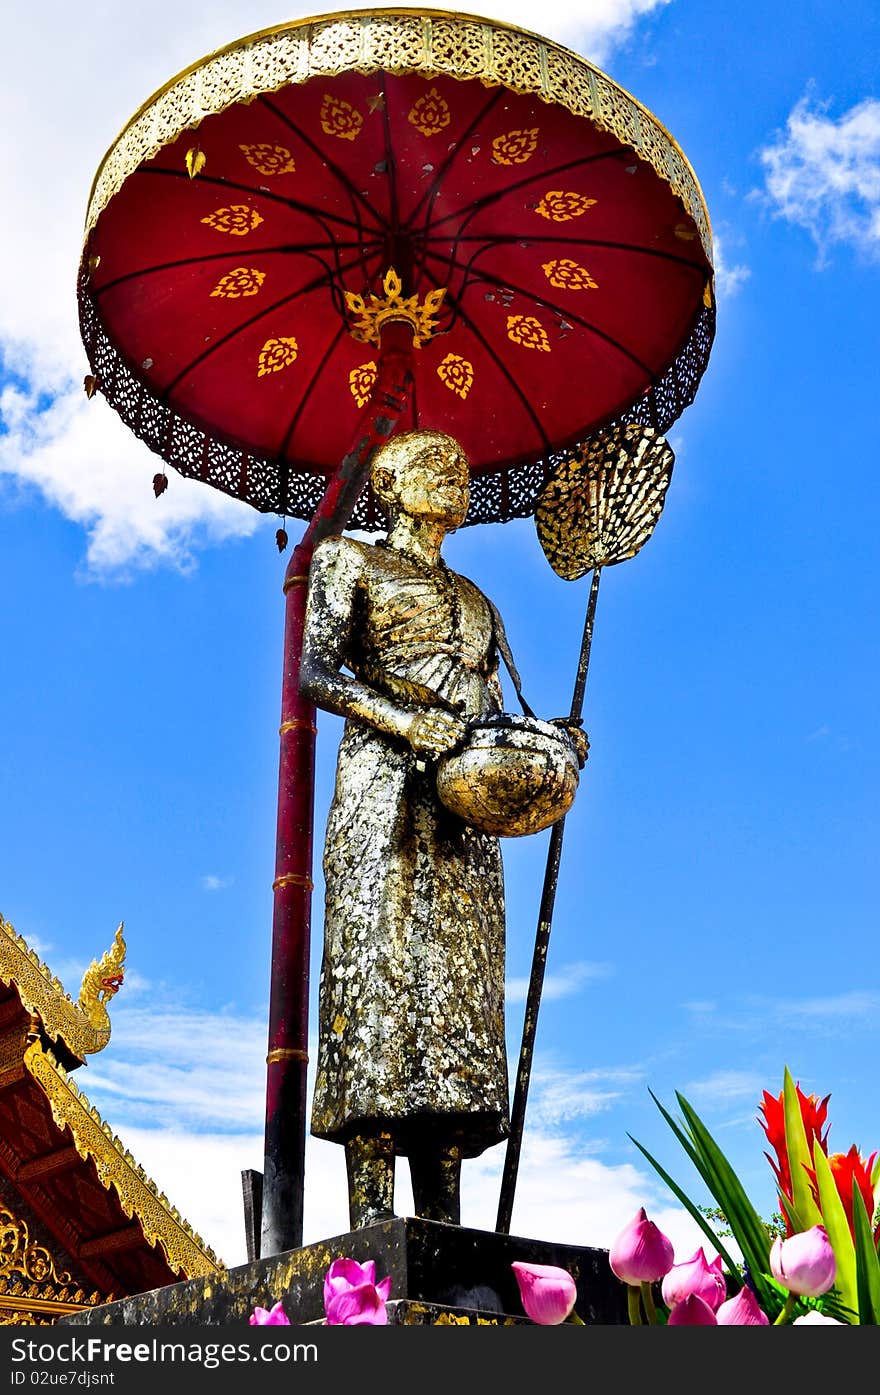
[[334, 579]]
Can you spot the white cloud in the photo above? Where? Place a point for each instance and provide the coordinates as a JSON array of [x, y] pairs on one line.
[[823, 174], [94, 72], [570, 979], [728, 278], [193, 1119], [726, 1085], [210, 882]]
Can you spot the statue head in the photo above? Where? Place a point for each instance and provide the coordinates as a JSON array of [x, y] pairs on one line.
[[423, 474]]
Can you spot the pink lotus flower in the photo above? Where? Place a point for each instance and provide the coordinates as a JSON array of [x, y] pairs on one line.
[[692, 1311], [742, 1311], [641, 1254], [269, 1317], [694, 1275], [804, 1263], [813, 1319], [352, 1296], [548, 1293]]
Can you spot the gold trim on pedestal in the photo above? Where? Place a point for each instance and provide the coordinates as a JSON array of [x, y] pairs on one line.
[[161, 1223], [432, 43]]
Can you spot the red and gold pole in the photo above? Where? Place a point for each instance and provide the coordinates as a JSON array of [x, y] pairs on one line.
[[287, 1058]]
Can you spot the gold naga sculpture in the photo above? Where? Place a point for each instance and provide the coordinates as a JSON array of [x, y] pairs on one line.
[[83, 1026]]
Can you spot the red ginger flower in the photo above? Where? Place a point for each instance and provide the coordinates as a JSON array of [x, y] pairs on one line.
[[850, 1170], [813, 1113]]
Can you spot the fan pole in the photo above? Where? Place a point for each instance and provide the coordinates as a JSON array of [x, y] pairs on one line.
[[287, 1056], [542, 940]]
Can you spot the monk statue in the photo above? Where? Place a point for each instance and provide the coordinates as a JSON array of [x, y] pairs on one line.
[[411, 1047]]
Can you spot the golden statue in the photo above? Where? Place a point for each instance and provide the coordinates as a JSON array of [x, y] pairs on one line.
[[411, 1055]]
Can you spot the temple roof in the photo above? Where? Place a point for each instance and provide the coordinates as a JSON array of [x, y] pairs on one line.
[[72, 1191]]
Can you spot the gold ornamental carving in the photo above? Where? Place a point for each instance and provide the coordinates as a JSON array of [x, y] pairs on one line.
[[430, 114], [528, 332], [21, 1255], [269, 160], [84, 1027], [276, 354], [567, 275], [34, 1291], [140, 1200], [561, 205], [368, 316], [340, 119], [430, 43], [515, 147], [457, 374], [241, 281], [236, 221], [361, 381]]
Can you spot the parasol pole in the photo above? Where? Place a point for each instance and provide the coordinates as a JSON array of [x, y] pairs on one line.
[[287, 1056], [542, 940], [597, 509]]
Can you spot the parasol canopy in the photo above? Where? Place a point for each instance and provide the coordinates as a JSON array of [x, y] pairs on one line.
[[267, 211]]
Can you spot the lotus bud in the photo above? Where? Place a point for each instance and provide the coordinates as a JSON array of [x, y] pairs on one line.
[[351, 1295], [742, 1311], [692, 1311], [694, 1275], [804, 1263], [548, 1294], [641, 1254], [814, 1319], [269, 1317]]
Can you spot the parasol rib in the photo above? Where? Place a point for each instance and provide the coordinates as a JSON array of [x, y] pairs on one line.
[[246, 324], [329, 163], [487, 277], [297, 204], [501, 366], [306, 394], [430, 194]]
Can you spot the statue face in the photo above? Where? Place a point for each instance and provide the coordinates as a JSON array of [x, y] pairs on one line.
[[432, 481]]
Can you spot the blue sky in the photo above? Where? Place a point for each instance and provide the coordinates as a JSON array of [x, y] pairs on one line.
[[717, 913]]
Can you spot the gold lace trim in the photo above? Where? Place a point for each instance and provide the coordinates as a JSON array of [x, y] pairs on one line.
[[427, 42]]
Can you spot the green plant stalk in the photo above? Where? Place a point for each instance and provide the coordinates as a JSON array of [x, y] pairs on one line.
[[648, 1304], [790, 1304], [803, 1209], [834, 1219], [867, 1264], [633, 1306]]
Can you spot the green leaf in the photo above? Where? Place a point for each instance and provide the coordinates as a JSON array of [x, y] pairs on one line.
[[694, 1211], [805, 1213], [746, 1224], [867, 1264], [836, 1224]]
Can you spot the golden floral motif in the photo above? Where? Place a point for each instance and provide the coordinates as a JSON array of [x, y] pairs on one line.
[[237, 220], [528, 332], [361, 381], [339, 118], [457, 374], [241, 281], [567, 275], [515, 147], [276, 354], [430, 114], [560, 206], [269, 159], [368, 316]]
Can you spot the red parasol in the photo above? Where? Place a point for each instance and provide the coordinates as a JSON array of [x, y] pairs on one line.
[[372, 219], [242, 228]]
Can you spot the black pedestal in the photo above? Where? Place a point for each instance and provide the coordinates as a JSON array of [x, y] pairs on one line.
[[439, 1274]]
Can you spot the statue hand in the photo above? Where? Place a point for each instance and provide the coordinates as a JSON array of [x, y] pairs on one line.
[[435, 731], [579, 737]]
